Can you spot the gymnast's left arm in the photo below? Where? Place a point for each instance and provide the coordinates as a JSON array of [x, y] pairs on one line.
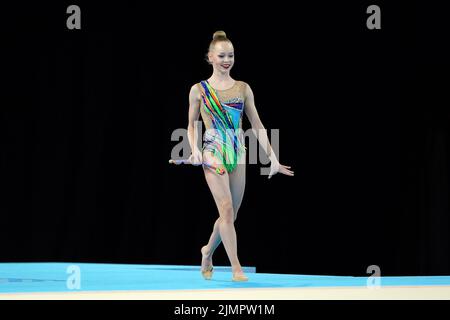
[[261, 134]]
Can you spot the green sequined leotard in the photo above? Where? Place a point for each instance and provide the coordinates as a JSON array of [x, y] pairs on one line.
[[222, 114]]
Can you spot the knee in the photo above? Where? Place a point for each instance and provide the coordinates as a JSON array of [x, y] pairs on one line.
[[226, 211]]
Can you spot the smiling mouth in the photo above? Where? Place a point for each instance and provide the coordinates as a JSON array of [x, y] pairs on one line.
[[226, 66]]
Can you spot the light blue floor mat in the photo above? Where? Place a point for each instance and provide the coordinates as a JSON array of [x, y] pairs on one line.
[[59, 277]]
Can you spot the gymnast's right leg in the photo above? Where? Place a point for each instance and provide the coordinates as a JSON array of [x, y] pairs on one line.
[[220, 189], [237, 187]]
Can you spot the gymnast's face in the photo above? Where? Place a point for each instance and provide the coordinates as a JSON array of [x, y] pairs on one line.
[[222, 56]]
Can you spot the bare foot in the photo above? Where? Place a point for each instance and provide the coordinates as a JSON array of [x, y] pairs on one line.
[[206, 259]]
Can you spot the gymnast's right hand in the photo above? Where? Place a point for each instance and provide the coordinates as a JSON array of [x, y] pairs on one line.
[[196, 157]]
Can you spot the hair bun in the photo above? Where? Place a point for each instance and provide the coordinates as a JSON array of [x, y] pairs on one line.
[[219, 34]]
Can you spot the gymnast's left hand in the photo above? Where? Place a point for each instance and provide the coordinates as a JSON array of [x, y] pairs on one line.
[[276, 167]]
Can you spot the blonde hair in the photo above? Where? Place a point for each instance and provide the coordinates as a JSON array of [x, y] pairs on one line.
[[218, 36]]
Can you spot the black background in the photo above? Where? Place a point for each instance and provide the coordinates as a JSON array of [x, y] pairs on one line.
[[87, 117]]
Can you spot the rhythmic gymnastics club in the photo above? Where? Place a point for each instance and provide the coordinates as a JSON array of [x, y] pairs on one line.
[[219, 171]]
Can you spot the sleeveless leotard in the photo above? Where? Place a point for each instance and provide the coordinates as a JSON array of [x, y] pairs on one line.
[[222, 112]]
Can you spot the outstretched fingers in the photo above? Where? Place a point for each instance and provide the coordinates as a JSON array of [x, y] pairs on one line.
[[286, 171]]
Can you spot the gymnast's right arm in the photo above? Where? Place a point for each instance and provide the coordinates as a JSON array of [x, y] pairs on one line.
[[194, 112]]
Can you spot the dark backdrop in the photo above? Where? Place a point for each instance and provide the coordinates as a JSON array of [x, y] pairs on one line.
[[87, 117]]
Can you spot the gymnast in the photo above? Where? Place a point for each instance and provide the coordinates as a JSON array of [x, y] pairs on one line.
[[221, 101]]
